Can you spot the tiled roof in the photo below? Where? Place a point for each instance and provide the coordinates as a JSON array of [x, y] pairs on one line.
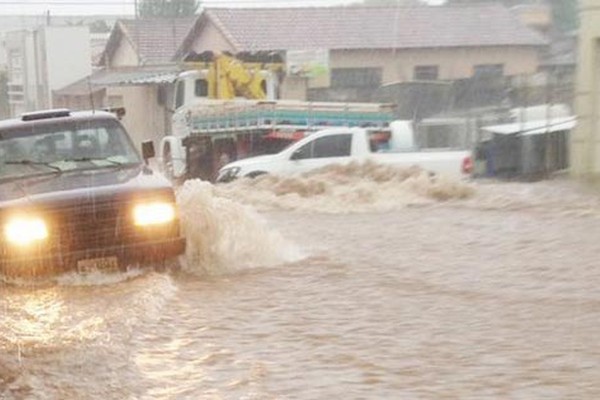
[[371, 27], [156, 40]]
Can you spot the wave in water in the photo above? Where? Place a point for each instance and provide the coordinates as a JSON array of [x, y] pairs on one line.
[[355, 187]]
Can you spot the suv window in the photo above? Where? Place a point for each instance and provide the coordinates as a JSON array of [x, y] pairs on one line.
[[328, 146], [57, 143]]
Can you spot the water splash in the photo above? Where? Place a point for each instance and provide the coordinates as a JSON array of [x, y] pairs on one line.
[[224, 236], [355, 187]]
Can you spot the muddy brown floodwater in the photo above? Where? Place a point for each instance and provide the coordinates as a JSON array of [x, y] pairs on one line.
[[360, 287]]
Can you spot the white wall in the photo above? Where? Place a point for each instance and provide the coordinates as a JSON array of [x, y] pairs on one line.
[[124, 55]]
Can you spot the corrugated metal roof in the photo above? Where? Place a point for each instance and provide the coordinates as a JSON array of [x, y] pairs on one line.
[[133, 78], [534, 127], [126, 76], [252, 29]]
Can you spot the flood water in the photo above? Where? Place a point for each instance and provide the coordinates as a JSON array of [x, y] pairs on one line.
[[345, 285]]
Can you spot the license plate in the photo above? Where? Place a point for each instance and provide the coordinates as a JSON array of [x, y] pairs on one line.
[[94, 264]]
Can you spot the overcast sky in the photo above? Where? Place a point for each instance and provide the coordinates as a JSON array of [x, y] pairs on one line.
[[126, 7]]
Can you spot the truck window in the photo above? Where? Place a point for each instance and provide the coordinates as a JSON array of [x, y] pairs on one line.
[[332, 146], [328, 146], [304, 152], [201, 88], [179, 94]]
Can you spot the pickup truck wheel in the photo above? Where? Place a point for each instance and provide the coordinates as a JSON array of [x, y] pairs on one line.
[[255, 174]]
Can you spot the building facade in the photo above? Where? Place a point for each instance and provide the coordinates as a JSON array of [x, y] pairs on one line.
[[585, 141], [362, 50], [42, 60]]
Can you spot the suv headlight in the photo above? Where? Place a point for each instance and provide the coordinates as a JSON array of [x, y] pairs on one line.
[[23, 231], [157, 213]]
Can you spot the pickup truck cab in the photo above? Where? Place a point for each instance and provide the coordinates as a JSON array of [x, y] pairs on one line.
[[342, 146], [76, 195]]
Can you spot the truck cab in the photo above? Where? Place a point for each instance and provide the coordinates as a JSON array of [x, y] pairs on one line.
[[75, 194], [210, 86], [220, 82]]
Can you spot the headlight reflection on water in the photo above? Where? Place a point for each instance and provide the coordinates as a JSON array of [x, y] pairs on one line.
[[42, 318]]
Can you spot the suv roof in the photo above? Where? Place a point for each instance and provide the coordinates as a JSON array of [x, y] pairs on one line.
[[53, 116]]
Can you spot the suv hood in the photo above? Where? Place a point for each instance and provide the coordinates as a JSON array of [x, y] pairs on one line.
[[81, 186]]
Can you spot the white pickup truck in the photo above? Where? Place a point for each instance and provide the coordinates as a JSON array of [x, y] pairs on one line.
[[342, 146]]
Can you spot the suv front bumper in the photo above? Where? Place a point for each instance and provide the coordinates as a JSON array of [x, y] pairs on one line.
[[47, 263]]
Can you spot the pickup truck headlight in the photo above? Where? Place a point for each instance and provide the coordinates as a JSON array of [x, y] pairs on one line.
[[23, 231], [157, 213]]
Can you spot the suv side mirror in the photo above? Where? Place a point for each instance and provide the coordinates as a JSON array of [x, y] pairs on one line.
[[148, 150]]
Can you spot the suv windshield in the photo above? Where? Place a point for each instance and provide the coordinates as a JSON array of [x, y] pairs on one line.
[[67, 146]]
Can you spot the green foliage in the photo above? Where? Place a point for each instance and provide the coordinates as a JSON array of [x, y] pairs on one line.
[[167, 8]]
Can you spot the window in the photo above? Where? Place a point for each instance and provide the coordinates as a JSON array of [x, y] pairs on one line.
[[355, 77], [488, 70], [15, 59], [303, 152], [328, 146], [426, 73], [179, 94], [201, 88], [56, 142], [15, 88], [333, 146]]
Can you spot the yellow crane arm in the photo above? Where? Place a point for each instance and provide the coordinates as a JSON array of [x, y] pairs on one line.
[[235, 78]]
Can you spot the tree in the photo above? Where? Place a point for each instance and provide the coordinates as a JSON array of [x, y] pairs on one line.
[[167, 8]]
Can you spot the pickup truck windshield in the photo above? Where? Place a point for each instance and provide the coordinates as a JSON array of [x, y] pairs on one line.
[[53, 148]]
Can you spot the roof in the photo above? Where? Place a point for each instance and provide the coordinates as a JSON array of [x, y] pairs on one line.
[[534, 127], [253, 29], [154, 39], [73, 116], [122, 76]]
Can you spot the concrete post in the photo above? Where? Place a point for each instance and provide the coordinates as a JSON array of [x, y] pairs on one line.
[[585, 139]]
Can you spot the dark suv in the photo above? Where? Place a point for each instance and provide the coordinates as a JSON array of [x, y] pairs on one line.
[[75, 194]]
